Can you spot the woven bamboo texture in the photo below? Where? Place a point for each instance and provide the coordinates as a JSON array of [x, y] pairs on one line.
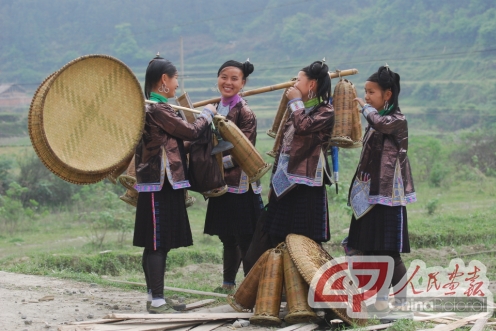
[[279, 135], [296, 293], [245, 297], [128, 181], [347, 126], [244, 153], [308, 257], [121, 168], [41, 147], [76, 119], [269, 291], [283, 105]]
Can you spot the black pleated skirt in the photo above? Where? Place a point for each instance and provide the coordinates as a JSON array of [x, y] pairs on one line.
[[161, 220], [233, 214], [303, 211], [383, 228]]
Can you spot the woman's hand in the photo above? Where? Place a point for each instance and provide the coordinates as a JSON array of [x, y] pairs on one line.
[[360, 101], [211, 108], [293, 93]]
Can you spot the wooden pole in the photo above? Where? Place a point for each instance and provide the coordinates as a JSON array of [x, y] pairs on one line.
[[335, 74], [185, 109], [176, 289]]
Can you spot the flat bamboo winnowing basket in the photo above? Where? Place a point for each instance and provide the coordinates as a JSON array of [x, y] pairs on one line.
[[87, 118], [347, 131]]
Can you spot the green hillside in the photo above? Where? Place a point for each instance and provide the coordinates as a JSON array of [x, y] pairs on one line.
[[444, 50]]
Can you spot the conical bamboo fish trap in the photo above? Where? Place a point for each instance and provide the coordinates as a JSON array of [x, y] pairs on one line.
[[244, 153], [296, 293], [347, 132], [269, 291], [283, 106], [245, 297], [308, 256]]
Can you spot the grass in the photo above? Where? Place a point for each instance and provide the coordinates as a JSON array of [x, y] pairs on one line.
[[59, 244]]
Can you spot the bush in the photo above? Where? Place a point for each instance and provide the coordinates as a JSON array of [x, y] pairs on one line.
[[478, 149], [437, 174], [41, 184], [432, 205]]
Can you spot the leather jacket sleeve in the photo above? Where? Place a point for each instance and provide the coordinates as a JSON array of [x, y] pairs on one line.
[[169, 121], [305, 124], [389, 124]]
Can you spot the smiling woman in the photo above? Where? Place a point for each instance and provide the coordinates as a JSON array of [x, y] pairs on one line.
[[233, 215]]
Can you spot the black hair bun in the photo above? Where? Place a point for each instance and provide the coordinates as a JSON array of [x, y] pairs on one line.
[[324, 71], [318, 70], [248, 68]]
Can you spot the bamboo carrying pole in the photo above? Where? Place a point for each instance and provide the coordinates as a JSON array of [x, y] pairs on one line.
[[185, 109], [335, 74]]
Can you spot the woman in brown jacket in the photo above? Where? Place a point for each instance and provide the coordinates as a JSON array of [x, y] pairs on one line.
[[233, 215], [379, 224], [298, 197], [161, 219]]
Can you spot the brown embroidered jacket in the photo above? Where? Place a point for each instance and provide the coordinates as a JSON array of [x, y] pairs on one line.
[[165, 127]]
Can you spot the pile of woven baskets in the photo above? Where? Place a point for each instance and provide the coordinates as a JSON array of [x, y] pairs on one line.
[[292, 264]]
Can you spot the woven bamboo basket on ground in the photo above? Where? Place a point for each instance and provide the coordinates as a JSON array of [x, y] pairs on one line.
[[308, 257], [296, 293], [77, 128], [269, 291], [244, 153], [283, 106], [245, 297], [347, 131]]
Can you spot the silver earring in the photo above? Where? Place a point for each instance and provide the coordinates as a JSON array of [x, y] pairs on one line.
[[311, 94], [163, 89], [386, 105]]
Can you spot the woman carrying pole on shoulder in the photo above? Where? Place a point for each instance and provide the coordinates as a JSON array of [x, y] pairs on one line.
[[298, 197], [161, 219]]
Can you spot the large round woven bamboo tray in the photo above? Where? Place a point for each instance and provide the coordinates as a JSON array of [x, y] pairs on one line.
[[41, 147], [92, 116], [308, 256]]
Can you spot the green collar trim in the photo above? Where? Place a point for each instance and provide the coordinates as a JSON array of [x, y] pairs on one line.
[[158, 97], [312, 102], [386, 111]]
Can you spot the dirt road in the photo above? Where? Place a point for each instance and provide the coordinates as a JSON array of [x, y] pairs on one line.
[[42, 303]]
